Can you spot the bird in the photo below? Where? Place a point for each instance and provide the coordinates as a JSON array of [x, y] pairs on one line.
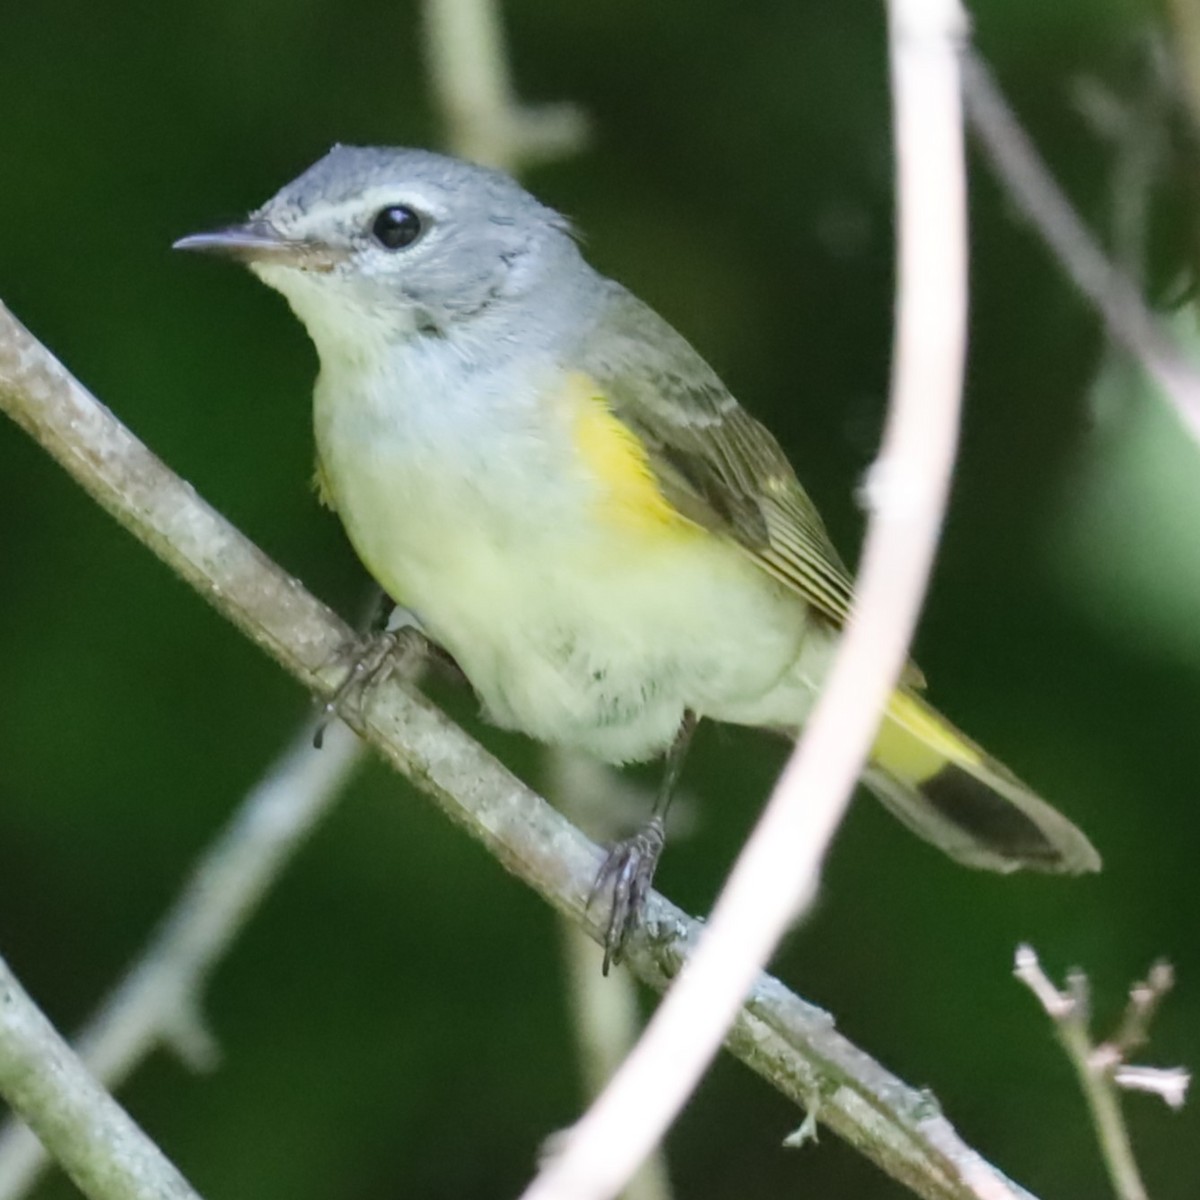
[[575, 508]]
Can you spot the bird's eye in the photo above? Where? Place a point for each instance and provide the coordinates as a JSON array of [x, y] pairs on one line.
[[396, 226]]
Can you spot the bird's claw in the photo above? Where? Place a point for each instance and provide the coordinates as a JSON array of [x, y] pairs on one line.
[[626, 875], [370, 661]]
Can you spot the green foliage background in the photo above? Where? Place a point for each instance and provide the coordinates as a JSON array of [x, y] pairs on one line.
[[393, 1023]]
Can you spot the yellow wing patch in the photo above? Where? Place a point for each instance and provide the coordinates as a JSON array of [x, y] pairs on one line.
[[619, 463], [914, 742]]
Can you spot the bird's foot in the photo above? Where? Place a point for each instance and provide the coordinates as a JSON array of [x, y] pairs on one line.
[[626, 876], [369, 662]]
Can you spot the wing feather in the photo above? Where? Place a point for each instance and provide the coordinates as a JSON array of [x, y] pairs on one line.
[[713, 461]]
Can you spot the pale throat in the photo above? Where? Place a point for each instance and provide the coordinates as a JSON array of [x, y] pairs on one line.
[[342, 327]]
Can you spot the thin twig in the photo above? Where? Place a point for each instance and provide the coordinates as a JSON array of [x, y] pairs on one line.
[[1184, 16], [1144, 1001], [606, 1021], [1169, 1084], [484, 119], [789, 1043], [776, 874], [103, 1150], [1102, 1070], [158, 1000], [1034, 191], [604, 1009]]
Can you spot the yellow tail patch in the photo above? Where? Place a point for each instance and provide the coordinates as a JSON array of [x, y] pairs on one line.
[[619, 462], [914, 743]]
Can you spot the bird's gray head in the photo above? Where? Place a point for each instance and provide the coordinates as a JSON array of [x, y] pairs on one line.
[[375, 244]]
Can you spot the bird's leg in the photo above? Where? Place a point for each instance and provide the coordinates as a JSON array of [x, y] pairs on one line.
[[379, 653], [628, 871]]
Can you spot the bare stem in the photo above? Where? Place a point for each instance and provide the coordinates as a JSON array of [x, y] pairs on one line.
[[1033, 189], [1144, 1000], [1184, 16], [788, 1042], [472, 86], [606, 1021], [94, 1138], [1169, 1084], [776, 874], [1102, 1070], [604, 1008]]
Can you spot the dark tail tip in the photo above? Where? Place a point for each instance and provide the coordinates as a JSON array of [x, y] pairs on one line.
[[991, 819], [986, 818]]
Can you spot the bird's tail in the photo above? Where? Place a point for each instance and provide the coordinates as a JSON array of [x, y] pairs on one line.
[[950, 792]]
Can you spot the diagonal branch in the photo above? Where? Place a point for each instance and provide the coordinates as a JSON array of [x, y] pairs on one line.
[[1035, 193], [791, 1044], [158, 1001], [94, 1138]]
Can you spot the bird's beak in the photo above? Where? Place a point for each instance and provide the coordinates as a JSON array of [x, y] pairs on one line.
[[258, 241]]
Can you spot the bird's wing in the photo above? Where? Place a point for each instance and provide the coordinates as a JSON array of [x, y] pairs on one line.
[[712, 461]]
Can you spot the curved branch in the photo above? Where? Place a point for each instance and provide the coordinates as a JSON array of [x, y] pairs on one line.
[[776, 874]]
